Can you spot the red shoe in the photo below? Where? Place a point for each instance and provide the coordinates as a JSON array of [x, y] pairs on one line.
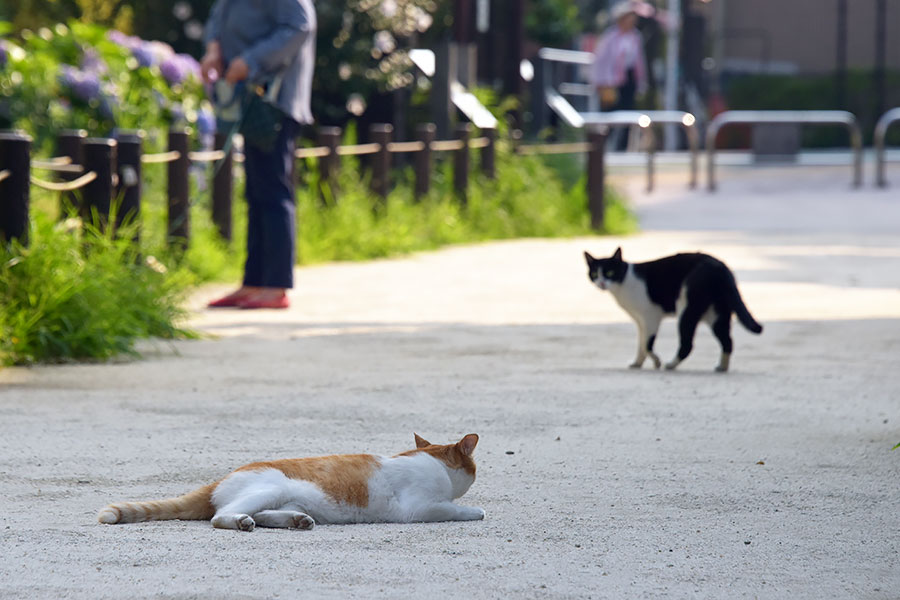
[[251, 303], [232, 300]]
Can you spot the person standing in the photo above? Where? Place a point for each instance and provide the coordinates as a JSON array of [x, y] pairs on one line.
[[259, 43], [619, 70]]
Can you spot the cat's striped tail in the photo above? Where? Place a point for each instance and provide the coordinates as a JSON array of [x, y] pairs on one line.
[[743, 315], [193, 506]]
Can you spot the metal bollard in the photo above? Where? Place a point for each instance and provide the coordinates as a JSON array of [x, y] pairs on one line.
[[15, 162]]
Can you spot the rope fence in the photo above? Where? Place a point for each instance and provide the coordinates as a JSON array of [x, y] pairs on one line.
[[106, 171], [68, 186]]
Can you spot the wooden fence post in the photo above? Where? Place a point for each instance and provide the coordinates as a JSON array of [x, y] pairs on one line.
[[223, 189], [130, 182], [99, 157], [330, 137], [596, 174], [461, 161], [380, 133], [179, 189], [425, 133], [488, 153], [15, 175], [70, 143]]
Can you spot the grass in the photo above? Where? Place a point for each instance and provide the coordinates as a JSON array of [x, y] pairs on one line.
[[77, 294]]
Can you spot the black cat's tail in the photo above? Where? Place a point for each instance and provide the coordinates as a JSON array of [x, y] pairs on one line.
[[740, 309]]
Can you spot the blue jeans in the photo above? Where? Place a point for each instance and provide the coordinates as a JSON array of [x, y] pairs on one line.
[[271, 211]]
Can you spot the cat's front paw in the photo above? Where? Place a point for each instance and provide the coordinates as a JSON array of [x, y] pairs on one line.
[[670, 366], [636, 365], [656, 362], [301, 521], [477, 514], [239, 522]]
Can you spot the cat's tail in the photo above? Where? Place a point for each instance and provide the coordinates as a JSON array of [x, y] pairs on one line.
[[195, 506], [743, 315]]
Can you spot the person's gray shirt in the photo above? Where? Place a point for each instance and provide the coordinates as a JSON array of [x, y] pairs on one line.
[[274, 37]]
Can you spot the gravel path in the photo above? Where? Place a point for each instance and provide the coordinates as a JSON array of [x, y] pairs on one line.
[[775, 480]]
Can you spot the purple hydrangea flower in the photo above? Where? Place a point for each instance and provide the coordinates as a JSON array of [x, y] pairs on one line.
[[206, 122], [173, 69], [143, 55], [177, 112], [84, 85], [91, 62], [191, 65]]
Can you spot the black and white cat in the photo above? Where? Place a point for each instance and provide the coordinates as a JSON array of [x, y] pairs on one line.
[[693, 287]]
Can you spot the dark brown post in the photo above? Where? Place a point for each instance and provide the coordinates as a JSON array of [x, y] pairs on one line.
[[425, 133], [461, 161], [179, 189], [223, 189], [487, 153], [330, 137], [129, 188], [70, 143], [15, 157], [596, 173], [99, 157], [380, 133]]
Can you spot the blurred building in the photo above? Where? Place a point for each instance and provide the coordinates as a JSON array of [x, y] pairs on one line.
[[802, 36]]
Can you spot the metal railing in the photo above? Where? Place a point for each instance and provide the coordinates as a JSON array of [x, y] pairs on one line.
[[891, 116], [794, 117], [656, 117]]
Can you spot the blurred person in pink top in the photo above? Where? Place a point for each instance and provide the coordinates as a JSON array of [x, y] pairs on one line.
[[619, 71]]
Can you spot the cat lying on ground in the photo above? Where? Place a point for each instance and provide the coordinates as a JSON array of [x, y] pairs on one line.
[[416, 485], [694, 287]]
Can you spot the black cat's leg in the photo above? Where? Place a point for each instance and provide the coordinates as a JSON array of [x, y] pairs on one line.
[[687, 326], [642, 346], [722, 329], [650, 337]]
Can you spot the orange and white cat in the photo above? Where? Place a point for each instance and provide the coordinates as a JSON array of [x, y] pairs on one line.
[[413, 486]]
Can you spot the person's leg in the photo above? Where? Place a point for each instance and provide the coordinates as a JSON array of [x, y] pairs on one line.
[[271, 208]]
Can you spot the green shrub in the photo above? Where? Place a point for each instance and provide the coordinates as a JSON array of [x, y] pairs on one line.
[[75, 296]]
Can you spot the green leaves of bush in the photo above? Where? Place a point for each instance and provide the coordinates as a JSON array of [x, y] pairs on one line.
[[75, 296]]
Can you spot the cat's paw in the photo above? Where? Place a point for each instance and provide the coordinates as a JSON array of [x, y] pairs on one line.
[[656, 362], [301, 521], [479, 515], [670, 366], [239, 522], [721, 368], [636, 365], [245, 522]]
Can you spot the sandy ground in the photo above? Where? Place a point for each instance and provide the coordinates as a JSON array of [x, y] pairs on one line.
[[775, 480]]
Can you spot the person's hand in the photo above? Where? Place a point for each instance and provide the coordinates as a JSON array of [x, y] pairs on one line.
[[237, 71], [211, 65]]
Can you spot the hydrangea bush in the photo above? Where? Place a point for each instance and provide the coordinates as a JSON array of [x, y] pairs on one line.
[[82, 76]]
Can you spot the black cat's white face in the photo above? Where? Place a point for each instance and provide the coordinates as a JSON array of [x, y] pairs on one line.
[[604, 272]]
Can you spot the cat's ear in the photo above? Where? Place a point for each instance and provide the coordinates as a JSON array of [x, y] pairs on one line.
[[421, 442], [467, 444], [617, 255], [590, 259]]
